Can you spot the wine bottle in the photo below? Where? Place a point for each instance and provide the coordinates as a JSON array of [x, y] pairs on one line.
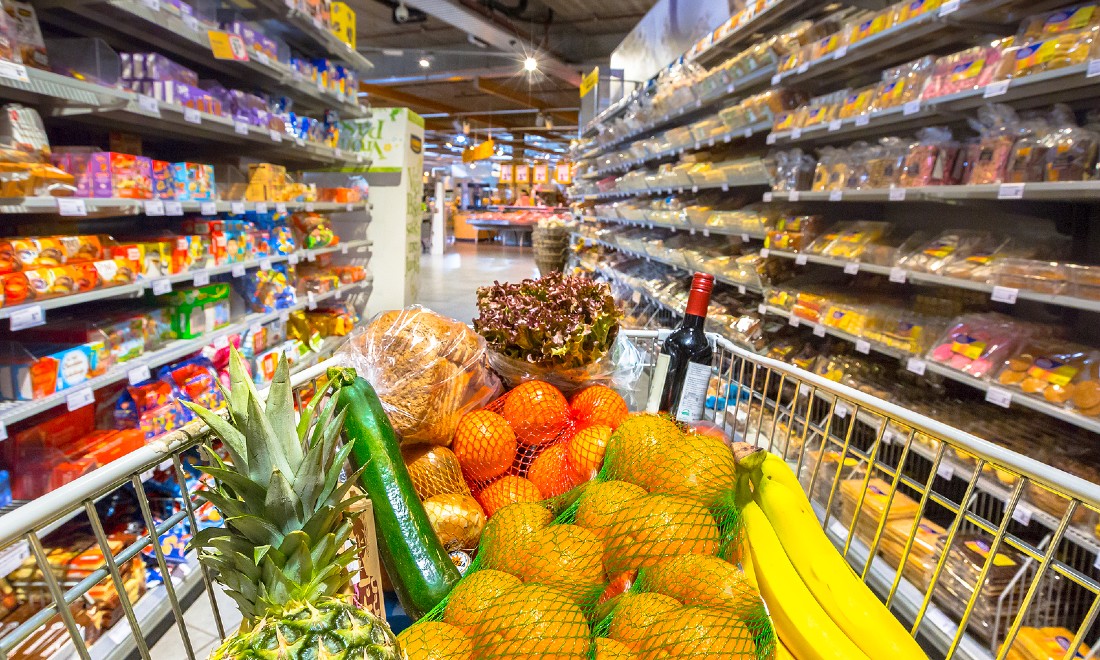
[[682, 374]]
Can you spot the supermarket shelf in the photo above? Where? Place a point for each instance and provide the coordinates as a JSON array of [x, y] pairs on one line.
[[705, 231], [727, 137], [186, 38], [309, 34], [137, 288], [918, 362], [1041, 89], [750, 28], [725, 186], [917, 277], [1057, 191], [106, 206], [14, 411]]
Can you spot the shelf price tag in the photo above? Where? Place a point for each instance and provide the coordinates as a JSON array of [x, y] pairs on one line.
[[292, 259], [770, 139], [161, 287], [863, 346], [29, 317], [765, 253], [1022, 514], [79, 399], [762, 308], [911, 108], [311, 300], [309, 207], [152, 4], [916, 365], [139, 374], [276, 136], [776, 78], [898, 275], [265, 264], [344, 247], [896, 194], [1093, 69], [796, 133], [221, 342], [741, 289], [240, 127], [836, 195], [834, 125], [949, 7], [225, 46], [863, 120], [202, 278], [236, 208], [192, 116], [819, 330], [261, 207], [995, 89], [792, 321], [800, 260], [840, 52], [1004, 294], [149, 104], [794, 195], [280, 207], [191, 22], [851, 268], [1010, 191], [999, 396], [71, 206], [803, 68], [154, 207], [768, 196], [208, 208], [946, 470], [173, 208], [237, 270], [13, 71]]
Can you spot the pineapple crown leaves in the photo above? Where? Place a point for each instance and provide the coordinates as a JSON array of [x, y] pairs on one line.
[[280, 493]]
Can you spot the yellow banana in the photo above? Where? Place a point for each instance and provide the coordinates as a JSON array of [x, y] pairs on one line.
[[846, 599], [777, 469], [781, 652], [799, 621]]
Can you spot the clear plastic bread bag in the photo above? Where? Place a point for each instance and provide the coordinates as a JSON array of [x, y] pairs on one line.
[[428, 370]]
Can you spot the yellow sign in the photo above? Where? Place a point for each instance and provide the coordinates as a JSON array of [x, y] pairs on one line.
[[227, 46], [590, 81], [482, 151], [563, 174], [506, 173], [523, 173], [542, 172]]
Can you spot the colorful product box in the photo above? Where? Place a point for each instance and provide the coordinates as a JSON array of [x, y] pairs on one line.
[[164, 180], [34, 371], [197, 310], [194, 182]]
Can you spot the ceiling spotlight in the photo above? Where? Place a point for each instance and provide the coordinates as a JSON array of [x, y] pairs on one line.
[[425, 62], [530, 64], [460, 139]]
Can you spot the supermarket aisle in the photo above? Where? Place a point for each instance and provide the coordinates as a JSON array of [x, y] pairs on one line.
[[448, 283], [201, 628]]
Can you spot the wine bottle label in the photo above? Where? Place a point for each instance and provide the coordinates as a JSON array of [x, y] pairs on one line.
[[657, 385], [693, 397]]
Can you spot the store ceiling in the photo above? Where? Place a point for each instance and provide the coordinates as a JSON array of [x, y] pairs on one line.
[[479, 79]]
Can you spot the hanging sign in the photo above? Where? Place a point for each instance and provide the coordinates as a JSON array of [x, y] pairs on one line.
[[542, 173], [523, 173], [590, 81], [507, 173], [483, 151], [563, 174], [227, 46]]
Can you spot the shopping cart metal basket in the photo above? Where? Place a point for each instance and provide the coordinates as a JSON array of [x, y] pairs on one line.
[[948, 498]]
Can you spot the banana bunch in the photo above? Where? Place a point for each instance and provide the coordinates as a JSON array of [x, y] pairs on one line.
[[820, 608]]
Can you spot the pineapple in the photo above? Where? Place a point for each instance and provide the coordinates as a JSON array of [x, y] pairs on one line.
[[281, 555]]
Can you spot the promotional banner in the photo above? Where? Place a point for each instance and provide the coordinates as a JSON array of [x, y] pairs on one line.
[[563, 174], [507, 173], [542, 173], [523, 173]]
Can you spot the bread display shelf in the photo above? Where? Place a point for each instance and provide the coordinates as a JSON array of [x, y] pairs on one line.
[[688, 227], [1044, 191]]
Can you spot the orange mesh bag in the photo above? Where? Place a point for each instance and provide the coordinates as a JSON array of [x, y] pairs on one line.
[[435, 640]]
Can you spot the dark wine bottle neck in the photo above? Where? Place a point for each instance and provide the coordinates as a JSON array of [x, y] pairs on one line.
[[693, 322]]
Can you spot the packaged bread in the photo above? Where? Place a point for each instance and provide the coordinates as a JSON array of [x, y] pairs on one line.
[[1043, 644], [428, 370]]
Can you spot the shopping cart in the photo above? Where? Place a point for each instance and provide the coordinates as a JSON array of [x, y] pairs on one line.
[[857, 456]]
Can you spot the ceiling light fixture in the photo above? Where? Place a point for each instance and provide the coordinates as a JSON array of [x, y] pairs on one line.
[[530, 64], [425, 62]]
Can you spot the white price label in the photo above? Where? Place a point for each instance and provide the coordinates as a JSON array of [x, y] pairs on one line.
[[261, 207], [897, 194], [280, 207], [910, 108], [741, 289], [819, 330], [834, 125], [995, 88], [1093, 69], [309, 207], [237, 270], [79, 399], [796, 133], [851, 268], [803, 68], [840, 52], [265, 264], [1096, 564], [208, 208], [745, 238], [946, 470], [276, 136], [339, 294], [748, 132], [191, 22], [841, 410], [13, 71], [152, 4], [776, 78], [949, 7], [916, 365], [263, 58], [149, 104], [351, 207], [800, 260], [202, 278], [765, 253], [1022, 514], [173, 208], [139, 374], [730, 88], [236, 208], [311, 255], [14, 556], [770, 139], [311, 300], [154, 207], [192, 116], [161, 287], [999, 396], [768, 197], [725, 187], [3, 431], [71, 206], [794, 195], [337, 153], [28, 317], [221, 342], [863, 346], [301, 143], [863, 120], [1004, 294], [1010, 191], [695, 189], [240, 127], [292, 259], [344, 247], [898, 275], [793, 321], [762, 308], [836, 195]]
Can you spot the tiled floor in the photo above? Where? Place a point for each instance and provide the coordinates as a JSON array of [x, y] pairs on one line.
[[448, 283]]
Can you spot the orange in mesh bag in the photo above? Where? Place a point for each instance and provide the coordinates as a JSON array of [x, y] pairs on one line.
[[427, 369]]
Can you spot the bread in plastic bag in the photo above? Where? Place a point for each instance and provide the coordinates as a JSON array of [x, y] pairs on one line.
[[428, 370]]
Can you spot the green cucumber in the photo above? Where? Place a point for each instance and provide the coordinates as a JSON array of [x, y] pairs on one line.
[[417, 563]]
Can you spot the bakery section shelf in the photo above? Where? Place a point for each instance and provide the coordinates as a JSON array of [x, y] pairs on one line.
[[1042, 191]]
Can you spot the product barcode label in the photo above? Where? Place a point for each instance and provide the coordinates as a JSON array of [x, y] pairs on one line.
[[800, 260], [863, 346], [1004, 294], [897, 194], [834, 125], [192, 116], [138, 374], [995, 89], [819, 330], [910, 108], [851, 268], [1010, 191], [836, 195], [280, 207], [71, 206], [161, 287], [265, 264], [999, 396], [173, 208], [28, 317], [202, 278], [949, 7], [240, 127], [208, 208], [1022, 514], [261, 207], [916, 365], [898, 275], [79, 399], [149, 104], [154, 207], [236, 208]]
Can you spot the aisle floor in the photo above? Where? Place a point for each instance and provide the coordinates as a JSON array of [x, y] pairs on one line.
[[448, 283]]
